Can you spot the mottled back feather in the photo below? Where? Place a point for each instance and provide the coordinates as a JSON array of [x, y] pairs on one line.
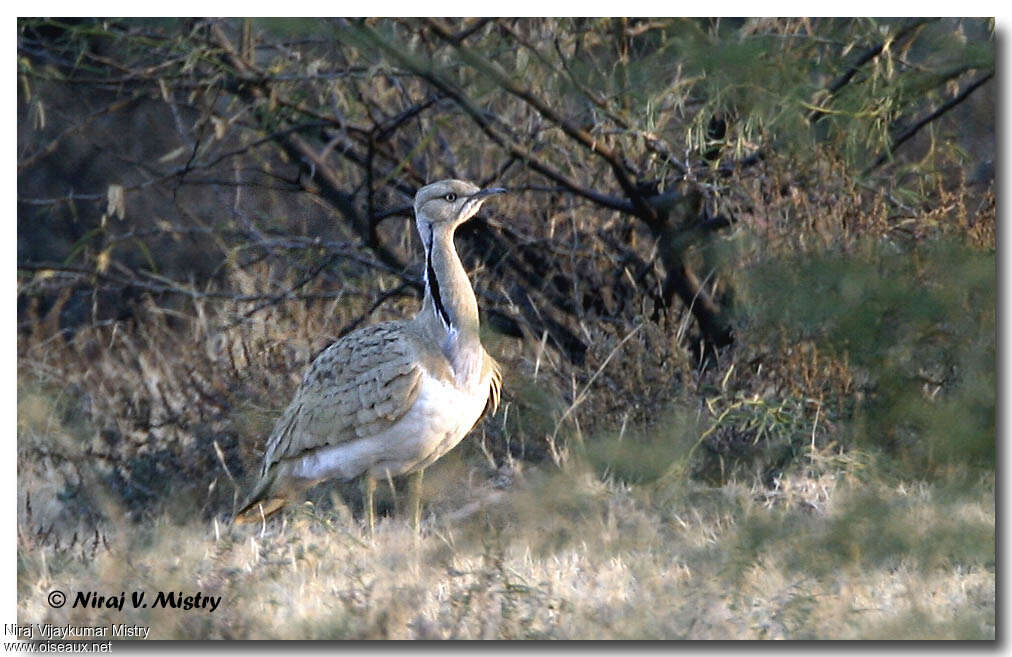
[[356, 388]]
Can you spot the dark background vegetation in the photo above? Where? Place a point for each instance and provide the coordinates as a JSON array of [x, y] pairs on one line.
[[735, 253]]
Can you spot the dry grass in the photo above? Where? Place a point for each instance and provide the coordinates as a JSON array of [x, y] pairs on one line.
[[616, 542], [637, 496], [560, 554]]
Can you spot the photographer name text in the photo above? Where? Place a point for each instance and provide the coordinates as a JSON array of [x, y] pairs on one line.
[[163, 599], [142, 600], [51, 632]]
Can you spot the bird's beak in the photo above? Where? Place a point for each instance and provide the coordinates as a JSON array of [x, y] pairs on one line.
[[490, 191], [476, 199]]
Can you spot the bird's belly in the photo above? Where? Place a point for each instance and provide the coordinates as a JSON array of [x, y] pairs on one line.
[[439, 419]]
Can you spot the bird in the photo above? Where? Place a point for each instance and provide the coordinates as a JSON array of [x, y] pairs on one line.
[[391, 398]]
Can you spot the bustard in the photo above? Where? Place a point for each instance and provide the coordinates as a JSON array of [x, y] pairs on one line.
[[391, 398]]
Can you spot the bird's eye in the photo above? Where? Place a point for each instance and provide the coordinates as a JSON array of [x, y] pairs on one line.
[[451, 197]]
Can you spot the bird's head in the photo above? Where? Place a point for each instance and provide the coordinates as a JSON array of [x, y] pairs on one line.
[[449, 203]]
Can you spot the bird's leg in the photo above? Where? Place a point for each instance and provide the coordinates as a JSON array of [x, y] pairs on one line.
[[368, 492], [415, 495], [393, 492]]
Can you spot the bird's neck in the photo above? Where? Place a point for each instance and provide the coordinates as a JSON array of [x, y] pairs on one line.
[[450, 310]]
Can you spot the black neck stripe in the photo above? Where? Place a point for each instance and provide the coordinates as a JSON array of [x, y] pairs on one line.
[[433, 283]]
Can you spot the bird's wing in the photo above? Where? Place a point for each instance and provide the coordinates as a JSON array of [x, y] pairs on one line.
[[357, 387]]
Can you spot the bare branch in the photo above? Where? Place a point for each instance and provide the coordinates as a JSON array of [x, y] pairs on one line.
[[484, 121], [581, 136], [900, 139], [865, 57], [54, 143]]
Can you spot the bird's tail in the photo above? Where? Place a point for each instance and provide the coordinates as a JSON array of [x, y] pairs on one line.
[[263, 501]]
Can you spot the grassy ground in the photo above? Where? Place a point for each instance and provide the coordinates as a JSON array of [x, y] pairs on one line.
[[830, 476], [836, 548]]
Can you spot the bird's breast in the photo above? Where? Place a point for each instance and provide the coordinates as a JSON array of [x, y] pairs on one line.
[[466, 359], [441, 416]]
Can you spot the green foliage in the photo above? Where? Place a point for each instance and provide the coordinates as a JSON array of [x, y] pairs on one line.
[[291, 28], [874, 527], [919, 326], [643, 455], [754, 437]]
